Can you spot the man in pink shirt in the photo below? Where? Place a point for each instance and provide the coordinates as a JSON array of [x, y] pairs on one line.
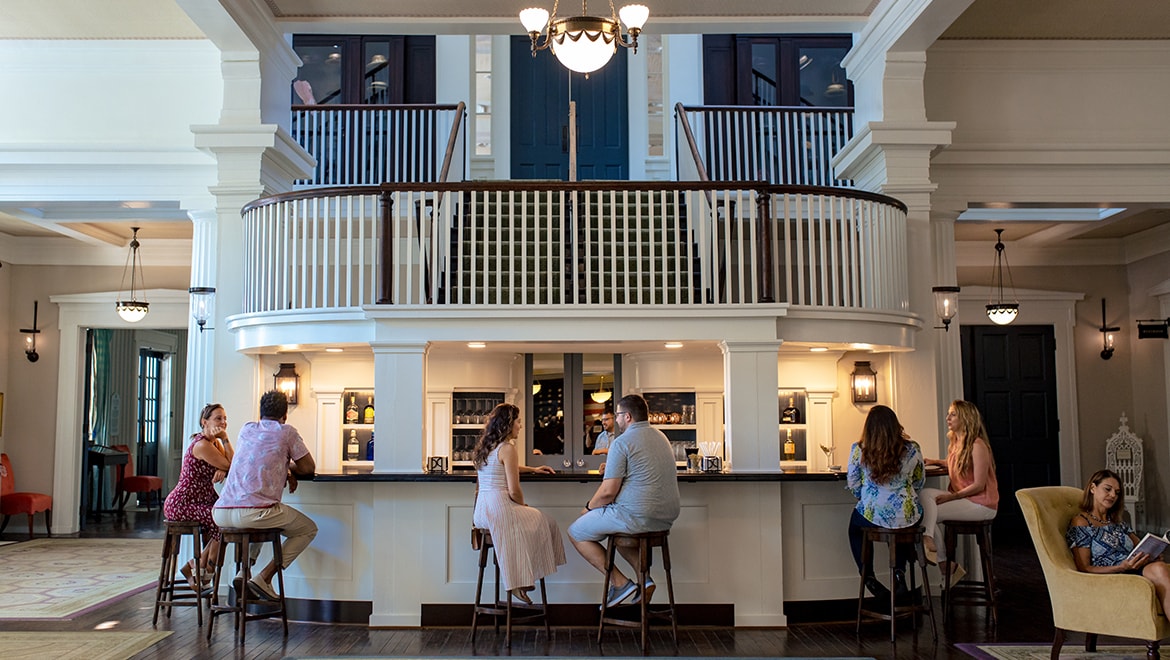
[[269, 453]]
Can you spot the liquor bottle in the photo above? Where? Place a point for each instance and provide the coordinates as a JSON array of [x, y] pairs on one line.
[[352, 446], [370, 447], [351, 412], [791, 414], [789, 447], [368, 411]]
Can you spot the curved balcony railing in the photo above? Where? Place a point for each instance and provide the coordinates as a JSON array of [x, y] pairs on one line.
[[524, 243]]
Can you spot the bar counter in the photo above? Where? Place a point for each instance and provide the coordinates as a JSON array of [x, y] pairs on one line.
[[393, 547]]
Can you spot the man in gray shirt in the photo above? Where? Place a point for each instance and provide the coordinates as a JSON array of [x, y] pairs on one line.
[[638, 494]]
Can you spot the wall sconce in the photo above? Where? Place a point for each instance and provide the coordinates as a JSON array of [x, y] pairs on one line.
[[1107, 334], [133, 310], [288, 381], [946, 304], [30, 342], [1000, 312], [535, 388], [201, 299], [863, 383]]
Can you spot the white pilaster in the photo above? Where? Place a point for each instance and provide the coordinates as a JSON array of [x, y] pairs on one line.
[[751, 414], [200, 344], [400, 386], [949, 360]]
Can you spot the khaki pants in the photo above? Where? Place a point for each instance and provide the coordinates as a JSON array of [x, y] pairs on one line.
[[298, 529]]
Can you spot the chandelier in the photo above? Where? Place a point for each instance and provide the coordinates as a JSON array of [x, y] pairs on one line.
[[584, 43], [133, 310], [1000, 312], [601, 395]]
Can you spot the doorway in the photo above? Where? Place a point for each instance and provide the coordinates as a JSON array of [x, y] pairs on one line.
[[1009, 372], [541, 91]]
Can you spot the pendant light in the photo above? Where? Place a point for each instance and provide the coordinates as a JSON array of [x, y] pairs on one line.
[[601, 395], [133, 310], [998, 310], [584, 43]]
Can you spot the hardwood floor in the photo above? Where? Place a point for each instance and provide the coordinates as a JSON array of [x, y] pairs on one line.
[[1024, 616]]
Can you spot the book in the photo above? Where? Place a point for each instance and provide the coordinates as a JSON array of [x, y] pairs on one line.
[[1152, 545]]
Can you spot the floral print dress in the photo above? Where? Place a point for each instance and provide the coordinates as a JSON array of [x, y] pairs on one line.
[[892, 505], [1108, 545], [194, 495]]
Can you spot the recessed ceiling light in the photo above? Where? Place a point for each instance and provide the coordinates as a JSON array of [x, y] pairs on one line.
[[818, 349], [334, 350], [476, 344], [861, 346], [288, 347], [673, 344]]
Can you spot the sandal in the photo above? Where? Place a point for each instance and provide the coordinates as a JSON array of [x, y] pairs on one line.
[[185, 569], [521, 594]]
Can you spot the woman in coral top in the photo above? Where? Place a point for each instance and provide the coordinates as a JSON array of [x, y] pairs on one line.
[[973, 493]]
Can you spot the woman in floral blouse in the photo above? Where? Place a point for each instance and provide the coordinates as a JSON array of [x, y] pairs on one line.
[[886, 471], [1101, 541]]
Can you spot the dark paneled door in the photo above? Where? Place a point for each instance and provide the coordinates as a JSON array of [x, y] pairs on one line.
[[1009, 372], [540, 117], [150, 385]]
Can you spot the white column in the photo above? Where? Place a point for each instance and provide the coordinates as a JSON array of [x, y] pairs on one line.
[[200, 344], [751, 413], [949, 358], [400, 387]]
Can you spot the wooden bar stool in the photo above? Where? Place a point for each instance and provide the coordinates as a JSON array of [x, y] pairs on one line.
[[645, 543], [172, 591], [504, 608], [892, 538], [243, 537], [970, 592]]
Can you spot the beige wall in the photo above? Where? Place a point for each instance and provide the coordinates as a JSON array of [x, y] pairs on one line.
[[31, 389], [1147, 358]]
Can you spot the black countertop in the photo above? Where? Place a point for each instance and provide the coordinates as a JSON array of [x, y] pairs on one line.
[[791, 474]]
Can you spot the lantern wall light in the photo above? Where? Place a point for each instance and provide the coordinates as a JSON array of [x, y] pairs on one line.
[[584, 43], [202, 298], [863, 383], [946, 305], [1107, 335], [287, 380]]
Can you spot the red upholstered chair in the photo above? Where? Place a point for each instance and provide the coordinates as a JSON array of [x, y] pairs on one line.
[[128, 482], [30, 503]]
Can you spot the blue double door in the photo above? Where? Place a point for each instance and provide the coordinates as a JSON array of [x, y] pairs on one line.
[[541, 91]]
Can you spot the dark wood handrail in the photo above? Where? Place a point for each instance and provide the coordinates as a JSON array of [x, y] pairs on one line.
[[520, 185], [323, 107], [460, 110], [681, 111], [757, 109]]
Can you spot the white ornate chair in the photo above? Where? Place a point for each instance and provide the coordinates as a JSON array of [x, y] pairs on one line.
[[1123, 455]]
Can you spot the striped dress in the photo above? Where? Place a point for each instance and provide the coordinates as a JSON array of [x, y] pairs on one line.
[[528, 541]]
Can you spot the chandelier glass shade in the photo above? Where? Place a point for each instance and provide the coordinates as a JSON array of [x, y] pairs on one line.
[[584, 43], [1000, 310], [601, 395], [133, 310]]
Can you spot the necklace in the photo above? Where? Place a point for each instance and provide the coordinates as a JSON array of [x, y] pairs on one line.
[[1096, 519]]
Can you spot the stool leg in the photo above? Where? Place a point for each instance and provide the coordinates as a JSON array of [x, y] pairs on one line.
[[893, 548], [643, 572], [496, 586], [984, 540], [213, 603], [278, 562], [197, 539], [670, 590], [866, 558], [949, 544], [483, 550], [163, 582], [605, 589], [243, 550], [544, 610], [925, 586]]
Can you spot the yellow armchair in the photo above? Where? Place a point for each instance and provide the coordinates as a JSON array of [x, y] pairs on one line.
[[1133, 609]]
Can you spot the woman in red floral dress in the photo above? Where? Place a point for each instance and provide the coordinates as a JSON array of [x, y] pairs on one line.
[[205, 463]]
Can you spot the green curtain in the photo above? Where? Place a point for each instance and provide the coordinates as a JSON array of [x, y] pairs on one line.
[[99, 379]]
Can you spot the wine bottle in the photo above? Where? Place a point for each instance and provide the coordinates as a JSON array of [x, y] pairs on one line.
[[789, 447], [368, 411], [352, 447], [370, 447], [791, 414], [351, 411]]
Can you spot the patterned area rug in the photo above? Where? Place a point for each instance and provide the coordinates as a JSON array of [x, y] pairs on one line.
[[1075, 651], [75, 645], [63, 578], [536, 657]]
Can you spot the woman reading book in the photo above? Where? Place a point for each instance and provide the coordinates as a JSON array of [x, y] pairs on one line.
[[1102, 542]]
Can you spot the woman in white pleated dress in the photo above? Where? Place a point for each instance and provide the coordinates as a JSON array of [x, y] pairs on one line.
[[527, 541]]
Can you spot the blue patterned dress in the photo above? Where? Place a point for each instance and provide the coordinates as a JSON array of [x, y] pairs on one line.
[[1108, 545]]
